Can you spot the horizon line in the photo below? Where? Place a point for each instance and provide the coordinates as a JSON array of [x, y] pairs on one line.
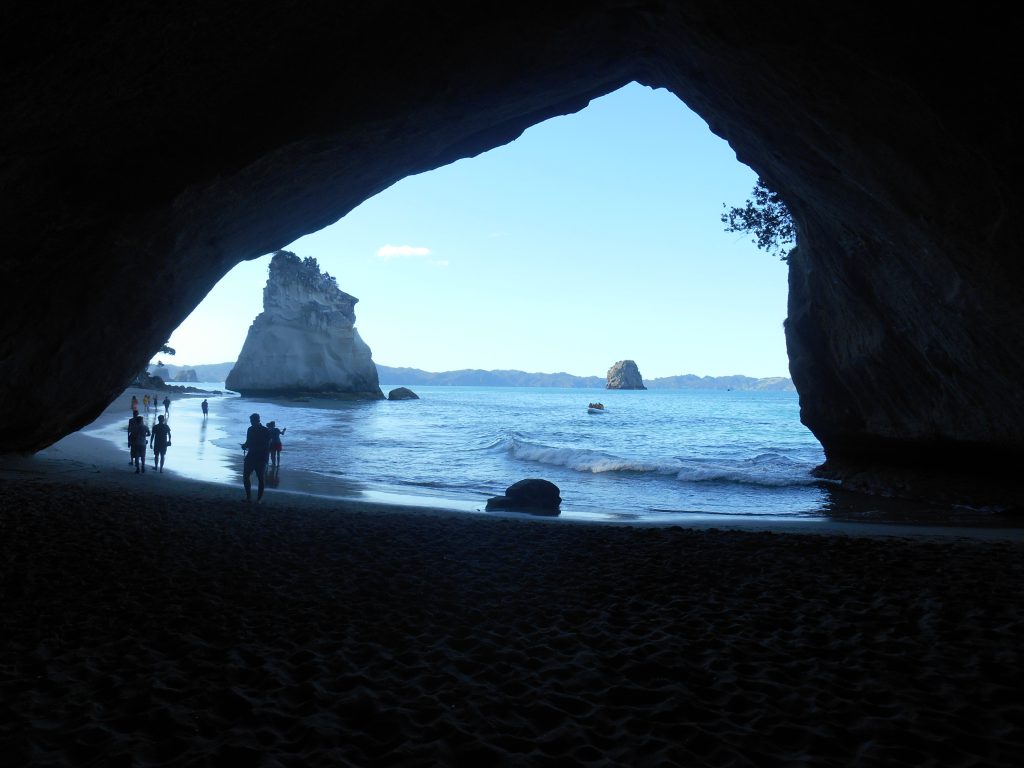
[[512, 370]]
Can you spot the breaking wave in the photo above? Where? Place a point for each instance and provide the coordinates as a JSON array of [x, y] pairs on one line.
[[766, 469]]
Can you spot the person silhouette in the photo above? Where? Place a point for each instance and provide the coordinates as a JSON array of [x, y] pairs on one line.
[[206, 408], [158, 441], [167, 406], [256, 449], [138, 436], [131, 422], [276, 446]]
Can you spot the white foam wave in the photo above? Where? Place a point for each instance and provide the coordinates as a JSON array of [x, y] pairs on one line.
[[578, 459], [769, 469]]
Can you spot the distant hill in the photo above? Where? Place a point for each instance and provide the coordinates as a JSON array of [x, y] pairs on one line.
[[472, 377], [742, 383], [479, 378], [211, 372]]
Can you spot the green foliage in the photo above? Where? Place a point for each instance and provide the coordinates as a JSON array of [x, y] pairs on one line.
[[767, 218], [167, 350]]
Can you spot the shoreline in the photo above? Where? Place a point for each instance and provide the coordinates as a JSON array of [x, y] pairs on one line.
[[92, 454], [159, 619], [211, 468]]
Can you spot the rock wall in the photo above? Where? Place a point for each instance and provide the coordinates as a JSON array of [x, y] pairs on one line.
[[193, 136], [625, 375], [305, 340]]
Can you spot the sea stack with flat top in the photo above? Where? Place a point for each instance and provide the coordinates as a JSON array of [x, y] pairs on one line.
[[305, 341]]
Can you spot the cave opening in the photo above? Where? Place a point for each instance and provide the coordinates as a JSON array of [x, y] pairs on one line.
[[593, 237], [903, 316]]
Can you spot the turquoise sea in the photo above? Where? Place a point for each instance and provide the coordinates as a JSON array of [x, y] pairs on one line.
[[653, 456]]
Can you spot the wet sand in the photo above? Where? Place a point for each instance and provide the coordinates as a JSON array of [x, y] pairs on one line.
[[155, 620]]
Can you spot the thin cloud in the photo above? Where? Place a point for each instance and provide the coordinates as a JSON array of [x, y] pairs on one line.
[[388, 252], [438, 262]]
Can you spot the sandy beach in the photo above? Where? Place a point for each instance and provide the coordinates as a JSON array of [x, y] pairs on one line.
[[158, 620]]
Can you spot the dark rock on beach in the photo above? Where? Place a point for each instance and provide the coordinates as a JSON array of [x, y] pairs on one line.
[[536, 496]]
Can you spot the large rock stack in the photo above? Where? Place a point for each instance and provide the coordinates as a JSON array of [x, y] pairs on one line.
[[625, 375], [304, 341]]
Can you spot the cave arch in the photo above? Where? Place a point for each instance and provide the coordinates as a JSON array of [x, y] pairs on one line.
[[635, 176], [189, 138]]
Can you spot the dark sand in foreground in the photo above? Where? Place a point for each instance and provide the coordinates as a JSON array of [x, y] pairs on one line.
[[180, 627]]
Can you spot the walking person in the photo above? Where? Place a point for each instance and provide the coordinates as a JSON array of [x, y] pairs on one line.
[[256, 449], [131, 451], [160, 439], [206, 408], [135, 404], [167, 406], [145, 402], [276, 445], [138, 436]]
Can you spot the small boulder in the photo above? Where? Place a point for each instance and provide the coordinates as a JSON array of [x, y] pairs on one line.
[[535, 496], [402, 393]]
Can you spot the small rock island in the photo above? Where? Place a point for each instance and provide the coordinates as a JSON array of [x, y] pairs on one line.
[[624, 375], [305, 341]]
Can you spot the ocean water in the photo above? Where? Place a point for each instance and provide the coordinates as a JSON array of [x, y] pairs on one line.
[[655, 456]]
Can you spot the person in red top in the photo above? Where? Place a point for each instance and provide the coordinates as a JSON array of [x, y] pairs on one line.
[[276, 445]]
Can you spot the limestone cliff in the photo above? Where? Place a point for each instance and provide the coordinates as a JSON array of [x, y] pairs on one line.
[[305, 340], [625, 375]]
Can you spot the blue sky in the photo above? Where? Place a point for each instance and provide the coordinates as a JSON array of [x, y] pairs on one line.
[[593, 238]]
